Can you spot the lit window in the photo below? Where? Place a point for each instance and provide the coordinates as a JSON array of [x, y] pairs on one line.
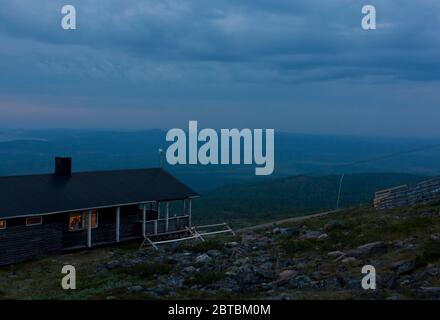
[[33, 221], [94, 219], [75, 222], [2, 224]]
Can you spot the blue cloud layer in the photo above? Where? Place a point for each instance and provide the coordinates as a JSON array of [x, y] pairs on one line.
[[297, 57]]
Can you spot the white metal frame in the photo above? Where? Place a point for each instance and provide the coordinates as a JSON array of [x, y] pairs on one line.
[[194, 234], [207, 233]]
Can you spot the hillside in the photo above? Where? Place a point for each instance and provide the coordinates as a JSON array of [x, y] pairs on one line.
[[28, 152], [249, 203], [317, 258]]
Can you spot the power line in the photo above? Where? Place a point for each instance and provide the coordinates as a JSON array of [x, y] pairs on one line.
[[388, 156], [363, 161]]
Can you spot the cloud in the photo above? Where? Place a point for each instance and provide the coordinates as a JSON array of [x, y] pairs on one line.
[[196, 52]]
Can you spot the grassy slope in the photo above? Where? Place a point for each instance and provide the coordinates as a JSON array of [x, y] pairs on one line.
[[41, 279], [361, 226]]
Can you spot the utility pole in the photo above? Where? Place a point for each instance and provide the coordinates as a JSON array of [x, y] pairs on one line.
[[339, 192], [161, 157]]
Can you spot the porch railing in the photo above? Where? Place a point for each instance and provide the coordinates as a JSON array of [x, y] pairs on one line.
[[163, 226]]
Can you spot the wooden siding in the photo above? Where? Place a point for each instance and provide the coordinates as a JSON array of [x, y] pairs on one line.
[[106, 231], [19, 242], [131, 226]]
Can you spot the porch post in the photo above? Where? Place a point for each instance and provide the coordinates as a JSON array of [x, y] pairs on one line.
[[89, 229], [167, 214], [158, 217], [118, 222], [189, 212], [144, 218], [184, 207]]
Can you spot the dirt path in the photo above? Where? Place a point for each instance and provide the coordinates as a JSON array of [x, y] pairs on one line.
[[278, 222]]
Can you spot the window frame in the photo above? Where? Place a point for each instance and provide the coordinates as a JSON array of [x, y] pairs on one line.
[[81, 214], [97, 220], [86, 221], [5, 224], [34, 224]]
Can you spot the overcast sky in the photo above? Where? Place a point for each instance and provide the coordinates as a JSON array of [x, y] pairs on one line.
[[292, 65]]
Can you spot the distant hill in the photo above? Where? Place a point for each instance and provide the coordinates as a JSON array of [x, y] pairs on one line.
[[28, 152], [249, 203]]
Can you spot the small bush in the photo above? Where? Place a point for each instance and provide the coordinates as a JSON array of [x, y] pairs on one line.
[[430, 253], [205, 278], [206, 246], [146, 271], [295, 246], [408, 226]]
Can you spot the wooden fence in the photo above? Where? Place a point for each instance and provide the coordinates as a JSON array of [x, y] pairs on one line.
[[403, 196]]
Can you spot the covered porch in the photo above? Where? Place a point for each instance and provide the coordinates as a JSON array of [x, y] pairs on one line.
[[159, 218], [101, 226]]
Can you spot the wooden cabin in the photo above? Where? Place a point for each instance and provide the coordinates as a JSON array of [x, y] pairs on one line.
[[52, 213]]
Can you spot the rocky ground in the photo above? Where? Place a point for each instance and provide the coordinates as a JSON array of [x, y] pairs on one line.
[[320, 258]]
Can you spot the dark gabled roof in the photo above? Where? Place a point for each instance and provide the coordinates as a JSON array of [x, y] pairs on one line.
[[48, 193]]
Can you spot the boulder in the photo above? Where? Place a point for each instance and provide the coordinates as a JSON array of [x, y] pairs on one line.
[[287, 275], [135, 289], [323, 236], [350, 260], [367, 249], [404, 267], [335, 254], [435, 237], [214, 253], [113, 264], [301, 282], [189, 270], [265, 270], [247, 277], [232, 244], [429, 292], [311, 235], [280, 230], [203, 258]]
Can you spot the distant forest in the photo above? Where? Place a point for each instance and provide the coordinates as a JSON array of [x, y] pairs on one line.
[[306, 177], [248, 203]]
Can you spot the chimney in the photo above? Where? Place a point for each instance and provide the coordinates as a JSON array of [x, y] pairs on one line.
[[63, 166]]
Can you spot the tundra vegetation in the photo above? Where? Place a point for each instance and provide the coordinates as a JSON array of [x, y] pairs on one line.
[[318, 258]]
